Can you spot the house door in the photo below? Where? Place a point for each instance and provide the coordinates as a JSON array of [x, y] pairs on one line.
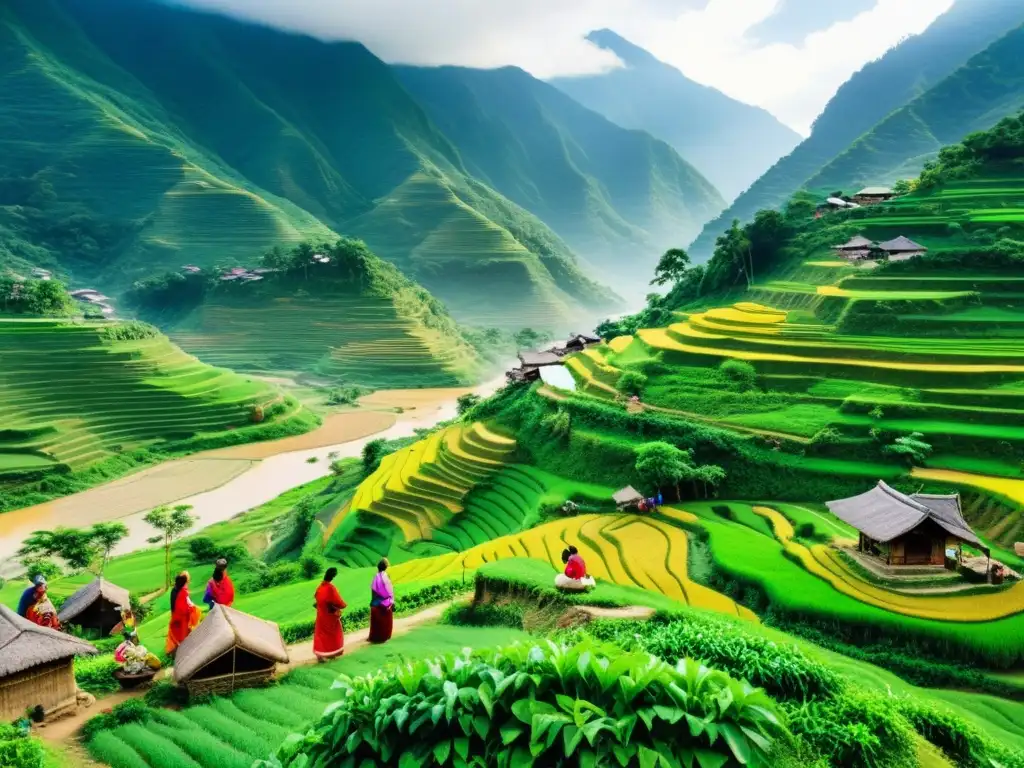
[[918, 550]]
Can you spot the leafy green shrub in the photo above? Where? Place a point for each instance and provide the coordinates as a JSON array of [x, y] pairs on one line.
[[959, 740], [631, 383], [545, 704], [311, 566], [484, 615], [739, 373], [130, 330], [164, 693], [855, 730], [130, 711], [784, 671], [19, 750], [95, 674]]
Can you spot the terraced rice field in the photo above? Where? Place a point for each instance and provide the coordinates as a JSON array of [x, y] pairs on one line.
[[69, 394], [362, 339], [628, 550], [421, 487]]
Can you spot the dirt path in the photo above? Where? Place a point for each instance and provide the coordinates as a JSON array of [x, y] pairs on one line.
[[629, 612]]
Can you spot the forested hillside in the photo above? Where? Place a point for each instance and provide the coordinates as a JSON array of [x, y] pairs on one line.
[[730, 142], [618, 197], [904, 73], [973, 98], [241, 145]]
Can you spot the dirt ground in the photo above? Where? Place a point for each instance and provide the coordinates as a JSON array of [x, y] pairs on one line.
[[337, 428]]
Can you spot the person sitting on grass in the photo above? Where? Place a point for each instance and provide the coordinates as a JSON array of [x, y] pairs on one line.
[[219, 590], [575, 577]]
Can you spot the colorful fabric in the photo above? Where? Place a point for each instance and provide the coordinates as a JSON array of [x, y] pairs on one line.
[[382, 622], [42, 612], [328, 636], [381, 591], [220, 592], [184, 618], [575, 568]]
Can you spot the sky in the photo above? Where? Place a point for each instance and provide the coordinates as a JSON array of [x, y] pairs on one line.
[[788, 56]]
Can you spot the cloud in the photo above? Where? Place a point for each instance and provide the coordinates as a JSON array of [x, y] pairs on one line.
[[728, 44], [794, 20]]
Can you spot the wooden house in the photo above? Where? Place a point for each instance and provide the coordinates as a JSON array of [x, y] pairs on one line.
[[96, 606], [575, 343], [902, 248], [873, 195], [627, 497], [855, 248], [229, 650], [36, 667], [906, 530], [539, 359]]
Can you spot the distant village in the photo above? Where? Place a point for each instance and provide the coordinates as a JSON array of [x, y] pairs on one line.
[[530, 363], [861, 250]]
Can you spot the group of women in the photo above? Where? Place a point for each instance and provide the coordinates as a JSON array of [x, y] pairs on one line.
[[328, 637]]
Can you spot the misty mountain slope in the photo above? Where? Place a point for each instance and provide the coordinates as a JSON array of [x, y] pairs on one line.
[[901, 75], [974, 98], [260, 138], [618, 197], [729, 142]]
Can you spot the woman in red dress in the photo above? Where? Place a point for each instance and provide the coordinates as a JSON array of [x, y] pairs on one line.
[[184, 614], [328, 638], [220, 590]]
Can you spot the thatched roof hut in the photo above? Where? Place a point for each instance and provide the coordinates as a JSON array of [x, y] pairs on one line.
[[901, 244], [229, 650], [856, 243], [906, 530], [36, 666], [95, 606], [626, 497]]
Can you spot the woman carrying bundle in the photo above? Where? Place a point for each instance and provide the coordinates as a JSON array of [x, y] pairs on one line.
[[328, 637], [575, 577], [382, 605], [184, 614]]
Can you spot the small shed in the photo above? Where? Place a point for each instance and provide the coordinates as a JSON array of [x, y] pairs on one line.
[[229, 650], [873, 195], [906, 529], [539, 359], [575, 343], [95, 606], [627, 497], [36, 667], [902, 248], [858, 247]]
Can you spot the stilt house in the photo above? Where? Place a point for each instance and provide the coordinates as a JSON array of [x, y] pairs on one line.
[[95, 606], [229, 650], [36, 667], [906, 530]]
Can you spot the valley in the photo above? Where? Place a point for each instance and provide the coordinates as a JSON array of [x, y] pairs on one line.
[[367, 337]]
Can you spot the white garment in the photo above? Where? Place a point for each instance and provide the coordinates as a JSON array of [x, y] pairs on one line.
[[574, 585]]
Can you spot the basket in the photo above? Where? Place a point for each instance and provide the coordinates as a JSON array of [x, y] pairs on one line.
[[230, 682], [130, 682]]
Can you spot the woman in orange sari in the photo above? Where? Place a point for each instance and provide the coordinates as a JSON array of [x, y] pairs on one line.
[[184, 614], [328, 638]]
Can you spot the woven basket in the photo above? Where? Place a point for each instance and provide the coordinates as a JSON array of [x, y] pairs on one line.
[[230, 682]]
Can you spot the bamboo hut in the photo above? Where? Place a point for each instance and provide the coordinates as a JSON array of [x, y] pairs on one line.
[[97, 606], [229, 650], [902, 248], [906, 530], [627, 497], [36, 667], [874, 195]]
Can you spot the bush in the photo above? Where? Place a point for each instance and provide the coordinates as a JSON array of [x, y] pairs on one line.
[[631, 383], [856, 730], [164, 693], [311, 566], [205, 550], [739, 373], [540, 703], [784, 671], [95, 674], [19, 750], [484, 615], [130, 711], [373, 452]]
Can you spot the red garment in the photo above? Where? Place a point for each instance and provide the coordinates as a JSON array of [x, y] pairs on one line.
[[382, 621], [223, 591], [328, 639], [575, 568], [184, 618]]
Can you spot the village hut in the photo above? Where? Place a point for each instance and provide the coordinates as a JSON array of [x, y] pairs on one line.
[[227, 651], [873, 195], [906, 530], [97, 606], [575, 343], [36, 667], [522, 375], [858, 247], [627, 497], [902, 248], [539, 359]]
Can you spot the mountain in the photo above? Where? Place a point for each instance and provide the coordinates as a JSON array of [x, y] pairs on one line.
[[253, 138], [730, 142], [618, 197], [973, 98], [907, 71]]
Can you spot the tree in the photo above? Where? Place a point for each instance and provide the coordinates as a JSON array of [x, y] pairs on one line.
[[373, 452], [904, 186], [671, 267], [171, 522], [72, 545], [106, 536], [659, 464], [528, 338], [912, 448], [631, 383], [464, 402], [710, 475]]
